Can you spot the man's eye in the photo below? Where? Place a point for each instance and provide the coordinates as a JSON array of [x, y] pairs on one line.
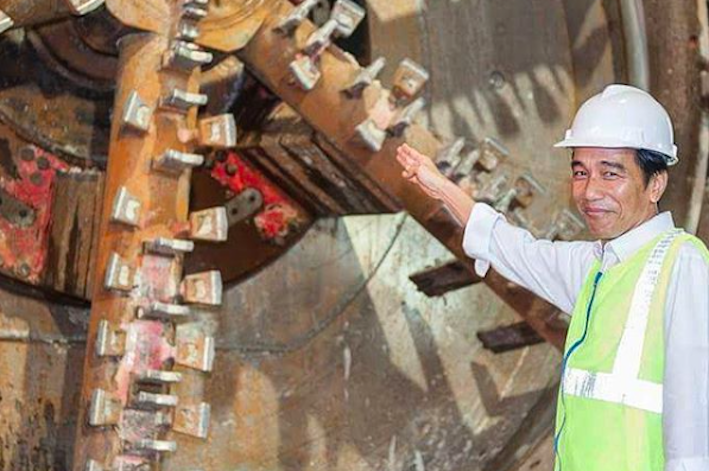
[[579, 174], [610, 174]]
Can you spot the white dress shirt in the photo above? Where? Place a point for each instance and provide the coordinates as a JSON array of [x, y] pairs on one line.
[[556, 272]]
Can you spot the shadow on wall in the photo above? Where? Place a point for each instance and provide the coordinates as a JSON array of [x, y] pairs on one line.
[[496, 65], [307, 376]]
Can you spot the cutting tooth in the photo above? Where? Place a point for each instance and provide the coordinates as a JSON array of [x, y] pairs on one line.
[[173, 161], [158, 310], [348, 15], [153, 400], [192, 419], [209, 225], [186, 56], [159, 377], [157, 446], [162, 419], [136, 114], [203, 288], [218, 132], [448, 158], [165, 246], [104, 410], [92, 465], [492, 152], [406, 117], [305, 71], [369, 135], [194, 349], [183, 101], [110, 342], [409, 80], [119, 275], [365, 78], [82, 7], [5, 22], [321, 38], [299, 14], [187, 31], [194, 13], [203, 4], [126, 208]]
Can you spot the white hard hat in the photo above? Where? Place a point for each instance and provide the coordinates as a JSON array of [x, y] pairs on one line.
[[623, 116]]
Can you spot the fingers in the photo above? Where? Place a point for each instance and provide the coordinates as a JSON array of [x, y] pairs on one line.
[[405, 160]]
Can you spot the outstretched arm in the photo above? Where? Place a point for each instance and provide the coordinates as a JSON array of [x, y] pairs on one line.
[[554, 271], [420, 170]]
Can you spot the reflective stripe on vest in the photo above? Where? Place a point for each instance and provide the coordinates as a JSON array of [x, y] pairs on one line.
[[622, 386]]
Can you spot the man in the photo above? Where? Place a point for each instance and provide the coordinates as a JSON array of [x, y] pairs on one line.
[[634, 394]]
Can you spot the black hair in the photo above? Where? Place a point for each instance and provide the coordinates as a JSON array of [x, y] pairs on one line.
[[651, 163]]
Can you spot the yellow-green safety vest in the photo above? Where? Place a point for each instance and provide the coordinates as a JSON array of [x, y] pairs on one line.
[[609, 411]]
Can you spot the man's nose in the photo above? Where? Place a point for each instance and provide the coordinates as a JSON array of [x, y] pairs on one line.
[[593, 190]]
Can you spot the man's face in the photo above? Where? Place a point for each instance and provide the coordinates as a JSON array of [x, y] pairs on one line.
[[609, 190]]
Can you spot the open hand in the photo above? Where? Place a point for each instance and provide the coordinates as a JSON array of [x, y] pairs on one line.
[[420, 169]]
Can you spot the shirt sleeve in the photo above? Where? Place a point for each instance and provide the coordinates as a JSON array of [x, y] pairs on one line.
[[554, 271], [686, 379]]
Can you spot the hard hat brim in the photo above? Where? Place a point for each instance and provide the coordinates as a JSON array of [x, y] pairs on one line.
[[571, 143]]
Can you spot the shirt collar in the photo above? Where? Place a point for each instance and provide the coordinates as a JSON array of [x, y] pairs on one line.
[[627, 244]]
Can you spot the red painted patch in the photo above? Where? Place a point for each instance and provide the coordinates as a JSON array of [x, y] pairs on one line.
[[23, 250], [279, 215], [146, 349]]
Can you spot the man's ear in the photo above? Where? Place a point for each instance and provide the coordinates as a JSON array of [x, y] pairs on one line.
[[658, 185]]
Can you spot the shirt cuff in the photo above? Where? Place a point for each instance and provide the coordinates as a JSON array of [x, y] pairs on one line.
[[688, 464], [478, 235]]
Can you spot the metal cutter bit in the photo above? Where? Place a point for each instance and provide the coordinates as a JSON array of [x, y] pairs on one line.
[[365, 78], [136, 114], [5, 22], [409, 80], [174, 161], [181, 100], [406, 117], [218, 131], [158, 310], [82, 7], [370, 135], [186, 56], [210, 225], [110, 342], [159, 377], [448, 158], [104, 410], [321, 38], [92, 465], [348, 16], [187, 31], [126, 208], [154, 400], [157, 446], [195, 9], [305, 71], [166, 246], [291, 22], [119, 274], [203, 288], [192, 419], [193, 348]]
